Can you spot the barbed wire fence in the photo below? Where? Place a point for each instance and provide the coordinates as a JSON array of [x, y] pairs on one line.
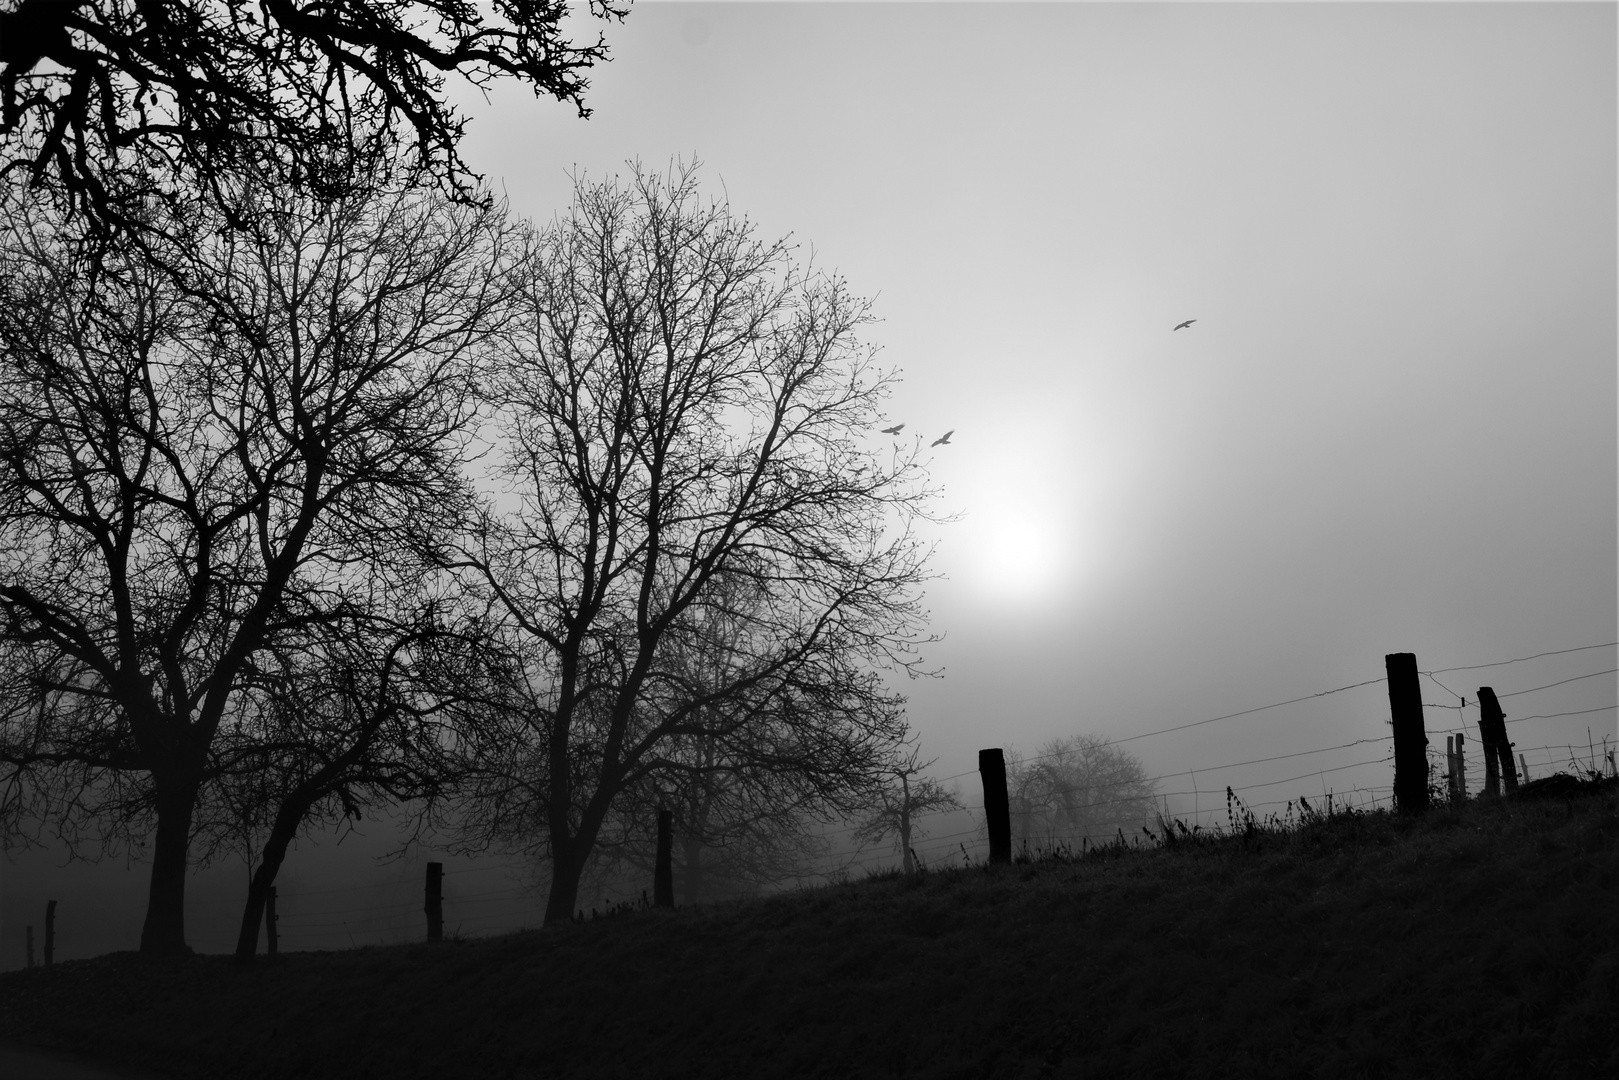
[[476, 904]]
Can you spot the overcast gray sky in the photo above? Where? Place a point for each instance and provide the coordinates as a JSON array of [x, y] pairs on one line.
[[1391, 429]]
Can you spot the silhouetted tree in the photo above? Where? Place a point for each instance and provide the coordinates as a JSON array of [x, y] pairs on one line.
[[1074, 787], [208, 450], [684, 406], [327, 728], [742, 819], [736, 829], [906, 796], [110, 100]]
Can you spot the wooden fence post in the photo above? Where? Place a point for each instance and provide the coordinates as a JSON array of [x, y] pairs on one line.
[[663, 874], [1492, 773], [1524, 765], [30, 946], [997, 814], [435, 901], [50, 932], [1449, 766], [1410, 734], [270, 942], [1461, 766], [1492, 726]]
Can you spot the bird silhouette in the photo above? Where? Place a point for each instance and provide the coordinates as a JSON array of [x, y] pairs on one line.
[[943, 440], [1184, 325], [892, 430]]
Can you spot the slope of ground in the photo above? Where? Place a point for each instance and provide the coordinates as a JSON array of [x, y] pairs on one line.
[[1475, 940]]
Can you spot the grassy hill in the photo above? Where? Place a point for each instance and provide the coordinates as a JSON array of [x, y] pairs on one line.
[[1477, 940]]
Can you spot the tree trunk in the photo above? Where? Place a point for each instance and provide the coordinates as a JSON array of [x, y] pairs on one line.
[[258, 889], [164, 933], [567, 867]]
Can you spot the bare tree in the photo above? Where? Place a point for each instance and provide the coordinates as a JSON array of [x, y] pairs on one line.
[[325, 729], [207, 451], [687, 405], [96, 95], [907, 796], [736, 829], [741, 821], [1077, 787]]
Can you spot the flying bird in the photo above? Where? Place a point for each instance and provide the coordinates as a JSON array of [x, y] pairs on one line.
[[1184, 325], [892, 430], [943, 440]]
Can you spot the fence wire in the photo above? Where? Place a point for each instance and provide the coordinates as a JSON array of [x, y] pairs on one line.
[[301, 925]]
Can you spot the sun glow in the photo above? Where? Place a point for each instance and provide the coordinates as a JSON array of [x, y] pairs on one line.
[[1019, 557], [1015, 553]]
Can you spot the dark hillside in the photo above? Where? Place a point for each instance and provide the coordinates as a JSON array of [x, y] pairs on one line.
[[1476, 941]]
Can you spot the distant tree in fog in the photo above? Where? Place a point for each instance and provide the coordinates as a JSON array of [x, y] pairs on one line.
[[211, 449], [1076, 787], [906, 796], [686, 406]]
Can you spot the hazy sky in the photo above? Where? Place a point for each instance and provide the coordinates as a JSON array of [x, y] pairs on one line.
[[1391, 429]]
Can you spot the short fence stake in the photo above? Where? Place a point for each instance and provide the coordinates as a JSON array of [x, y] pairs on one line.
[[1410, 734], [435, 901], [50, 932], [270, 942], [1524, 765], [663, 875], [997, 812], [1450, 767], [30, 946], [1461, 767]]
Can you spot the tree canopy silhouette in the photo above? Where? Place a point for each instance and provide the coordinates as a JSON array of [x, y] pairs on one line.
[[688, 475], [100, 95], [208, 451]]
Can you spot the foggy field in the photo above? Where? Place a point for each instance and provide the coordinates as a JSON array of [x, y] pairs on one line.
[[1476, 941]]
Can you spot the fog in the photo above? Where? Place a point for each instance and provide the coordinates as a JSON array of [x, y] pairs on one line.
[[1392, 427]]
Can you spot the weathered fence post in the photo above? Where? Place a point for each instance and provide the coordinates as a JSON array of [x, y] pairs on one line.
[[30, 946], [1449, 766], [1410, 735], [1492, 727], [435, 901], [1461, 766], [663, 874], [270, 942], [997, 814], [50, 932], [1524, 765], [1492, 772]]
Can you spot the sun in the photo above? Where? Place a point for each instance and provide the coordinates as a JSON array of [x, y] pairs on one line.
[[1014, 555], [1016, 537]]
